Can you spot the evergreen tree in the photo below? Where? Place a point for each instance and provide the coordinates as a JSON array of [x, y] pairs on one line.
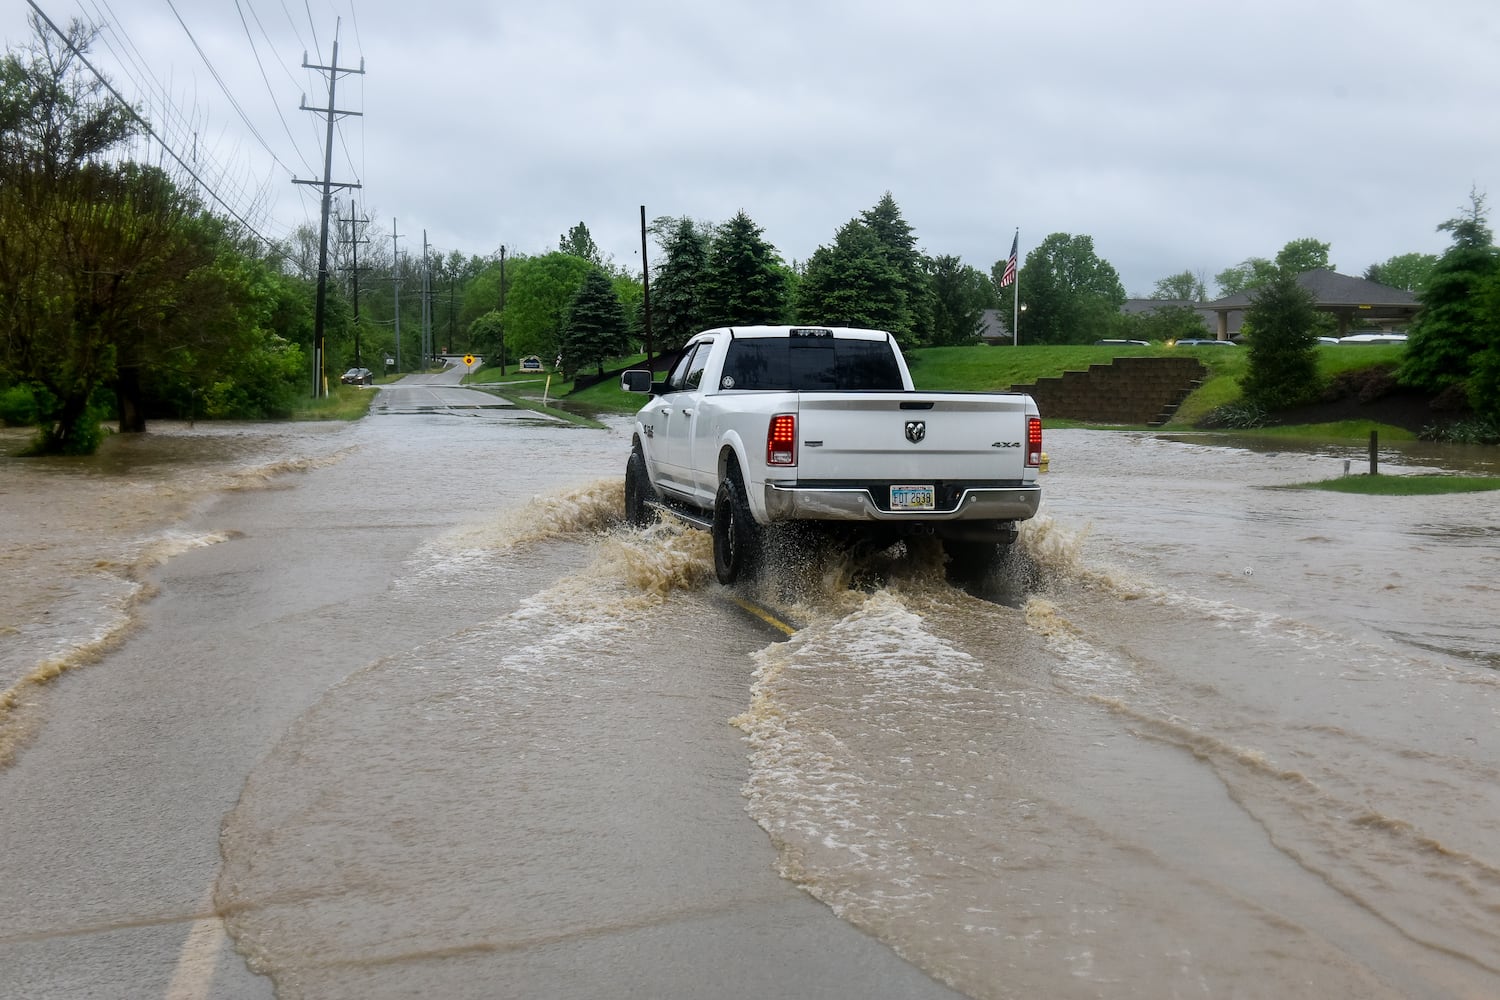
[[1452, 330], [900, 243], [853, 283], [677, 285], [960, 295], [595, 325], [1283, 362], [744, 283]]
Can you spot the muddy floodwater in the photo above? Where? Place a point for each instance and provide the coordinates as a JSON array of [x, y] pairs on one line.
[[1206, 736]]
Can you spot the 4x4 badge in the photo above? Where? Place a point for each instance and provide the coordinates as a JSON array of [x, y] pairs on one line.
[[916, 430]]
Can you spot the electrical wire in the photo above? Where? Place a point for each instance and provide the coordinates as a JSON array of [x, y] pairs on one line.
[[267, 80]]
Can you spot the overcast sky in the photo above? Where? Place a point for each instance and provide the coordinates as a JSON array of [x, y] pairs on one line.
[[1179, 135]]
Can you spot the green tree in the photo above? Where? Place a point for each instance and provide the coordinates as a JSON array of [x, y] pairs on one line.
[[677, 303], [914, 322], [1407, 271], [54, 115], [853, 283], [113, 278], [1452, 329], [538, 292], [1244, 276], [1070, 294], [1167, 322], [1282, 367], [1183, 286], [594, 328], [1484, 383], [745, 281], [579, 243], [960, 295], [1297, 256], [1301, 256], [485, 331]]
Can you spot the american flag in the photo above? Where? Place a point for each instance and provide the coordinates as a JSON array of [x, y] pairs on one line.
[[1009, 276]]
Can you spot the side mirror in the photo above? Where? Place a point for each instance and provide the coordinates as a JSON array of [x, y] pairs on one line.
[[636, 380]]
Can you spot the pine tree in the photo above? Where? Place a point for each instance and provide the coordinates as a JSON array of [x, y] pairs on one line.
[[595, 325], [1283, 362], [900, 243], [852, 283], [744, 284], [677, 286], [1452, 329]]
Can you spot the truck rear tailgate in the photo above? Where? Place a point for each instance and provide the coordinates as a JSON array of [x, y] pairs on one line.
[[921, 437]]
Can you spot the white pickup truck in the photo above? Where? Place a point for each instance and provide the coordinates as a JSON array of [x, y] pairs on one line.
[[761, 426]]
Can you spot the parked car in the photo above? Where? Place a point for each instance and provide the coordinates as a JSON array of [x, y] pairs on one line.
[[1374, 338], [358, 376], [1205, 342]]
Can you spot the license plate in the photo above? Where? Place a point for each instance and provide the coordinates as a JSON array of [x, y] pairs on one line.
[[911, 498]]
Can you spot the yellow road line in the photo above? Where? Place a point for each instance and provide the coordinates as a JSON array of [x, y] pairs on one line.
[[765, 616]]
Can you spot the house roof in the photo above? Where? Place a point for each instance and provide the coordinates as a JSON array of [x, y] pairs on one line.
[[1332, 290]]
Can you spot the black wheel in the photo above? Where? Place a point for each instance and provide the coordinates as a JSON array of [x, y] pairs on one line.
[[735, 533], [970, 561], [638, 492]]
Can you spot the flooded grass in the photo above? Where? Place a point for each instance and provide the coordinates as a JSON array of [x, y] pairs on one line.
[[1405, 486]]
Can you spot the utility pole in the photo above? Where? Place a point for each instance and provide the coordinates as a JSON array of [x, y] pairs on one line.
[[354, 241], [320, 386], [427, 351], [396, 281], [645, 289], [502, 309]]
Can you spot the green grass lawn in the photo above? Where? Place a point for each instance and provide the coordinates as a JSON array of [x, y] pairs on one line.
[[987, 369]]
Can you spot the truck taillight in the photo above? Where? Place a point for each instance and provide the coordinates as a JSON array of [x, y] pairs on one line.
[[1034, 441], [781, 440]]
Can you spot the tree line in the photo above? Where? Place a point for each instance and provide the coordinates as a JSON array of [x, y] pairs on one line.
[[122, 294]]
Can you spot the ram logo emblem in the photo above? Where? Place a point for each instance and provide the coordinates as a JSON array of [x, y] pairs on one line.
[[916, 430]]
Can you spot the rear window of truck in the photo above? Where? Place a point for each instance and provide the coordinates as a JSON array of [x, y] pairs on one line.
[[804, 364]]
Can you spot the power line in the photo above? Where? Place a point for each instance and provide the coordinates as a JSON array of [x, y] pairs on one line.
[[146, 125], [267, 80]]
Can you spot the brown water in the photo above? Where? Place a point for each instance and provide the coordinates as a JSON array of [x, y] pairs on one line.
[[1213, 738]]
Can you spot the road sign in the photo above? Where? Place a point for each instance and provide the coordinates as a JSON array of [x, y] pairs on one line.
[[469, 359]]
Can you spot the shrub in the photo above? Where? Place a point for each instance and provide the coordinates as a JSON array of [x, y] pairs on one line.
[[19, 407], [1235, 416]]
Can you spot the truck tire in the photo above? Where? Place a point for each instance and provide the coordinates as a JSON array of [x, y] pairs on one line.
[[736, 536], [969, 561], [638, 492]]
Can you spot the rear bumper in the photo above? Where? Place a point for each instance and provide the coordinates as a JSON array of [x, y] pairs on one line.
[[856, 503]]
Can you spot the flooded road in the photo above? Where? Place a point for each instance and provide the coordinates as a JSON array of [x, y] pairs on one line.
[[426, 719]]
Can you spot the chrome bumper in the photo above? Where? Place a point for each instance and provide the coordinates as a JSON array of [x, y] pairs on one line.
[[791, 503]]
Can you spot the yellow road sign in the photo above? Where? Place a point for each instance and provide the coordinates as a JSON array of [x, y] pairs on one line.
[[468, 359]]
